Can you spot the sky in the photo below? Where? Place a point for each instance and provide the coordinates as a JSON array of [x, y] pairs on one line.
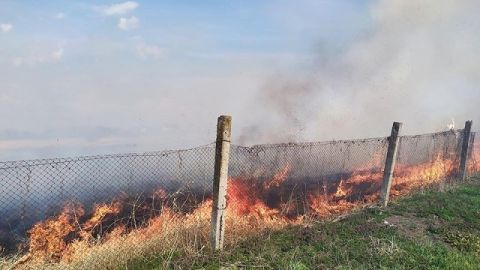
[[99, 77]]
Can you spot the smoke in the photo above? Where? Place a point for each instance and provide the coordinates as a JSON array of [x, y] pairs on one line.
[[418, 63], [409, 61]]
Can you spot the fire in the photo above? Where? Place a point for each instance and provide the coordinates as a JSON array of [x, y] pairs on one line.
[[474, 164], [361, 182], [340, 190], [278, 178], [100, 212], [363, 186], [48, 239], [323, 207], [244, 198], [251, 204], [408, 178]]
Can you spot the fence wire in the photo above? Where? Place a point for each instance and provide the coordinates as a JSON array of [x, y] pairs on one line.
[[103, 192], [292, 180], [474, 155], [49, 206], [426, 159]]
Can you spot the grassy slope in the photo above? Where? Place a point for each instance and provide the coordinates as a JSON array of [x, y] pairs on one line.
[[434, 230]]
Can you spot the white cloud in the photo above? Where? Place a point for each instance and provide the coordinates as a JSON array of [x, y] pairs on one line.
[[128, 23], [149, 51], [118, 9], [39, 58], [6, 27], [60, 16]]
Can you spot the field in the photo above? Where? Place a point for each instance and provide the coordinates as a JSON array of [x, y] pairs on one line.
[[429, 230], [239, 135], [297, 206]]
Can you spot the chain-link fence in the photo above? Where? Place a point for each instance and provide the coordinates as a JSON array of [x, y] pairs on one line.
[[76, 212], [426, 159], [275, 185], [298, 179], [474, 160], [48, 204]]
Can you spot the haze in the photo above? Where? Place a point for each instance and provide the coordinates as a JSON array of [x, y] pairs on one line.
[[98, 77]]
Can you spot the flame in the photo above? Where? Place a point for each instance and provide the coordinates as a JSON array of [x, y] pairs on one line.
[[474, 164], [363, 186], [278, 178], [408, 178], [251, 204], [48, 239], [363, 182], [243, 198], [323, 207], [340, 190], [100, 212]]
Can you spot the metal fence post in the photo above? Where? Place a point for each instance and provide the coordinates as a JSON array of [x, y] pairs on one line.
[[462, 170], [390, 162], [222, 153]]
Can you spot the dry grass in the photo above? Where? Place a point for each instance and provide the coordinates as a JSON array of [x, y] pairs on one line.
[[176, 239], [172, 237], [166, 236]]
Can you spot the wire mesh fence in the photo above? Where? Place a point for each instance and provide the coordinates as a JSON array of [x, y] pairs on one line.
[[474, 160], [426, 159], [290, 177], [76, 212], [47, 204], [271, 186]]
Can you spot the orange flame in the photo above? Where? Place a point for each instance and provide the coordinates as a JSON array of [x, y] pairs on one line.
[[249, 201], [408, 178], [244, 198], [278, 178], [48, 239], [100, 212], [474, 164]]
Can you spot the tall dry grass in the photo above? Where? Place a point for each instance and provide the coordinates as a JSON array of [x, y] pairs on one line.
[[167, 236]]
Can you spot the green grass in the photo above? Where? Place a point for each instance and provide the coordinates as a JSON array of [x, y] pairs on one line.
[[433, 230]]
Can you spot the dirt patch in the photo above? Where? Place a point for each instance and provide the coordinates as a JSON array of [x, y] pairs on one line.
[[415, 228]]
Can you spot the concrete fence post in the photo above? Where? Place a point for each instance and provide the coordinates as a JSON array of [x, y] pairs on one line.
[[222, 153], [390, 162], [462, 170]]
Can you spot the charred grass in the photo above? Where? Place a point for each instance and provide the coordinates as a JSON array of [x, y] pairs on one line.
[[428, 230]]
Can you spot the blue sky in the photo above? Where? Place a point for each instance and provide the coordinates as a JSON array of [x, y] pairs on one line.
[[74, 78], [93, 77], [188, 29]]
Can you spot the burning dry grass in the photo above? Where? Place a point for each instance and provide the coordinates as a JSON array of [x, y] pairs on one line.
[[164, 234], [72, 240], [167, 234], [474, 164], [410, 178]]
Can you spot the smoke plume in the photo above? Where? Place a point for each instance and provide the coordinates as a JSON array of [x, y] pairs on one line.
[[418, 63]]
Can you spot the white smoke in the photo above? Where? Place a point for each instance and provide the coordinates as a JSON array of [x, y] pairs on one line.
[[451, 126], [419, 64]]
